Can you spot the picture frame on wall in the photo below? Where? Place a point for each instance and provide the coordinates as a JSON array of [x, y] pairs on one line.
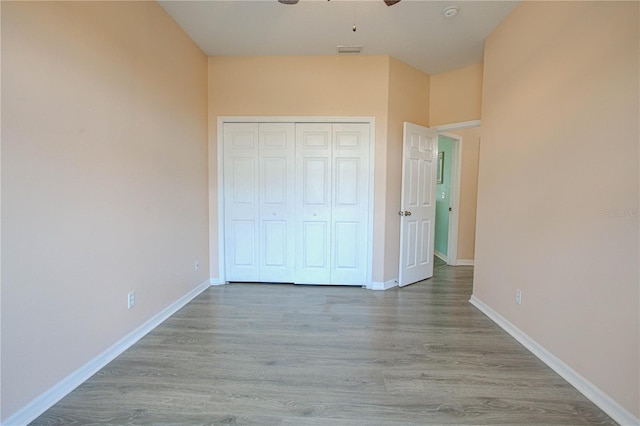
[[440, 170]]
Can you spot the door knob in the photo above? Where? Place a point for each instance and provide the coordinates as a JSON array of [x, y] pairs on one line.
[[401, 213], [407, 213]]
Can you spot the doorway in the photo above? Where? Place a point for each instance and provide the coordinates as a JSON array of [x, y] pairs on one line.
[[460, 236], [445, 195]]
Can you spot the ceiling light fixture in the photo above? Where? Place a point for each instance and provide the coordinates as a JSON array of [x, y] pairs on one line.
[[354, 18], [450, 11]]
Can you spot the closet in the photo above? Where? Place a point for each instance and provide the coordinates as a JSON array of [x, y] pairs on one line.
[[296, 202]]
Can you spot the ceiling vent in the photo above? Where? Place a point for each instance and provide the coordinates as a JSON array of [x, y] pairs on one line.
[[349, 49]]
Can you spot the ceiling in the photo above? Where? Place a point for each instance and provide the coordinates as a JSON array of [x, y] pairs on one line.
[[413, 31]]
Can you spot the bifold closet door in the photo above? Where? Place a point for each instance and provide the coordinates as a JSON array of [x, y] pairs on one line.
[[313, 203], [276, 198], [332, 201], [349, 203], [258, 201]]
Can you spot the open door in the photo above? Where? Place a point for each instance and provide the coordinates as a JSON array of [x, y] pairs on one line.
[[418, 204]]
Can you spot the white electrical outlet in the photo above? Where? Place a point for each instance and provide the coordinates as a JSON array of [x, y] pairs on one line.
[[196, 265], [518, 297], [131, 300]]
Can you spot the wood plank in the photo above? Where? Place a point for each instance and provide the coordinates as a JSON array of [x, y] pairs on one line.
[[314, 355]]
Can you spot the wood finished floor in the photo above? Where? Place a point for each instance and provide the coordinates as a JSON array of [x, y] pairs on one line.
[[319, 355]]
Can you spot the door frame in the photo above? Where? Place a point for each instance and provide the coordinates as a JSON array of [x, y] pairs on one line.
[[454, 199], [221, 120], [456, 177]]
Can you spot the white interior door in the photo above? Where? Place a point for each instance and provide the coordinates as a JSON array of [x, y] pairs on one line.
[[313, 202], [276, 201], [350, 203], [241, 208], [418, 205]]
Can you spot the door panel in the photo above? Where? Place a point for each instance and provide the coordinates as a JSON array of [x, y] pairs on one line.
[[241, 201], [315, 181], [418, 204], [347, 181], [350, 203], [242, 183], [414, 179], [274, 180], [313, 208], [346, 245], [244, 249], [425, 238], [428, 188], [276, 152], [314, 248], [411, 243], [275, 247]]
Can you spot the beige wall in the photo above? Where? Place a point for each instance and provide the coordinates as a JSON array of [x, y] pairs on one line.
[[468, 192], [104, 181], [558, 186], [408, 101], [456, 96], [377, 86], [302, 86]]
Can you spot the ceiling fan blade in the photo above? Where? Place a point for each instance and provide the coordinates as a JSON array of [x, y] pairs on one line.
[[288, 1], [391, 2]]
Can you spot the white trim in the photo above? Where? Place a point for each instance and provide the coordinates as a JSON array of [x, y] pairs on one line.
[[61, 389], [441, 256], [616, 411], [372, 174], [216, 281], [371, 121], [454, 196], [383, 285], [457, 126], [464, 262], [220, 191], [294, 119]]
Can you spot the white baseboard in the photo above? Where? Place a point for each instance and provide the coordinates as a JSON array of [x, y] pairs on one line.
[[464, 262], [47, 399], [584, 386], [441, 256], [383, 285], [216, 281]]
